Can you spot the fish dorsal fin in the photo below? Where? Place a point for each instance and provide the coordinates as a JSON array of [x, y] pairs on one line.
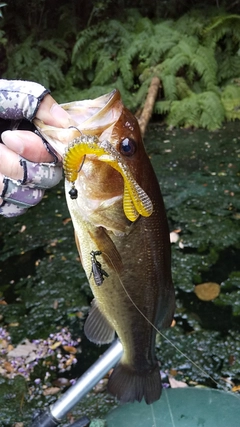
[[97, 329]]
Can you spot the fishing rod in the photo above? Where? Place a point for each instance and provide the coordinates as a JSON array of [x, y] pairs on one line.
[[55, 413]]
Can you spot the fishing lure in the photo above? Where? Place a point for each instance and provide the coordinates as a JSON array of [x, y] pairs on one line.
[[97, 271], [135, 200], [73, 192]]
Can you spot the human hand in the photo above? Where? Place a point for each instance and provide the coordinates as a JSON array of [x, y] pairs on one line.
[[26, 167]]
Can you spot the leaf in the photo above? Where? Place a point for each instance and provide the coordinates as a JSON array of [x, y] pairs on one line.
[[174, 237], [175, 383], [23, 350], [207, 291], [70, 349], [51, 391], [55, 345], [231, 101]]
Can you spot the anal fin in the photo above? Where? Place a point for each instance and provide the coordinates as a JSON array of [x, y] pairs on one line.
[[97, 329]]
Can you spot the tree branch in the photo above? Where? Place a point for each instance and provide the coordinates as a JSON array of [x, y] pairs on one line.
[[149, 104]]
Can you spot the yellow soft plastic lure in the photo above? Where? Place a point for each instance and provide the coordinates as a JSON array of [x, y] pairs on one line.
[[135, 201]]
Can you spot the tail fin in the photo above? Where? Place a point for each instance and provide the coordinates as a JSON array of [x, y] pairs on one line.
[[128, 385]]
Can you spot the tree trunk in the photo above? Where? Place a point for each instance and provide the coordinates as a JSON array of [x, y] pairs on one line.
[[149, 104]]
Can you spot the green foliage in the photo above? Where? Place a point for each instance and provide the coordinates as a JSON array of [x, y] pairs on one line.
[[28, 61], [230, 99], [196, 57], [198, 110]]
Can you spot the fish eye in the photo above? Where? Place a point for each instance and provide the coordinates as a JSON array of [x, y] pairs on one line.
[[127, 147]]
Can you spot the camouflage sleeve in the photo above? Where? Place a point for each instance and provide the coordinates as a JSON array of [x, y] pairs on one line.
[[20, 99], [20, 195]]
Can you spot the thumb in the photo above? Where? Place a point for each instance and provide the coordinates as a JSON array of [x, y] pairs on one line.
[[52, 114]]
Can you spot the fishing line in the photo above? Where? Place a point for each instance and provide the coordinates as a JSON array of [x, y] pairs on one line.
[[170, 410], [153, 416], [163, 335]]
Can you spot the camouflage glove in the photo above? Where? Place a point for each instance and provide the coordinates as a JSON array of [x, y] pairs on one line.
[[20, 195], [21, 100]]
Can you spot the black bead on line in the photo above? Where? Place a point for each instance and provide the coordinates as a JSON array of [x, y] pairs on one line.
[[73, 193]]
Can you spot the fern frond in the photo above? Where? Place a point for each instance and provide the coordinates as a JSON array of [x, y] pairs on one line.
[[133, 18], [184, 113], [126, 70], [157, 50], [192, 23], [212, 111], [162, 107], [183, 89], [174, 64], [84, 38], [127, 96], [142, 92], [146, 26], [191, 56], [55, 46], [88, 57], [161, 42], [222, 24], [47, 72], [169, 86], [229, 67], [222, 28], [231, 101], [117, 30], [202, 110], [22, 59], [105, 70], [205, 65], [187, 46]]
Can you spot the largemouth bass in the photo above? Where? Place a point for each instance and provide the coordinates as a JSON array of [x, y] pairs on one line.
[[122, 236]]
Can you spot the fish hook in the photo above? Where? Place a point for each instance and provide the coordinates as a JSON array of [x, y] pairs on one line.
[[75, 127]]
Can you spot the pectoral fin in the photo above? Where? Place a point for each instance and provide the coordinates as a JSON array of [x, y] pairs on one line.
[[97, 329], [109, 251]]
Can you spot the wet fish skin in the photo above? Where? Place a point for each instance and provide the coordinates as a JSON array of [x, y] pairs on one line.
[[138, 290]]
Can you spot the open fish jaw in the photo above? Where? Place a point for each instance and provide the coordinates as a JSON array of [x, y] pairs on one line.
[[88, 117]]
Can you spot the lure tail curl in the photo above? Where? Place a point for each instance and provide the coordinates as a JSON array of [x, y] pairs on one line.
[[135, 201]]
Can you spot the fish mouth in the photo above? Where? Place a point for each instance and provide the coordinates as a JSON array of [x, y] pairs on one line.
[[135, 201], [93, 117], [93, 120]]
